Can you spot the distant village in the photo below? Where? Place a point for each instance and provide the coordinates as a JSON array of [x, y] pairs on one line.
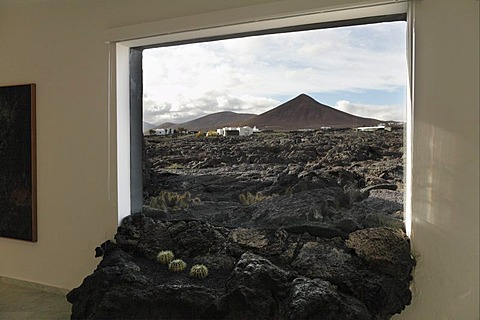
[[247, 131], [224, 132]]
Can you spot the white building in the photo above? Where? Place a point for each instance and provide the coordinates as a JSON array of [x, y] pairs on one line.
[[373, 129], [164, 131], [237, 131], [245, 131]]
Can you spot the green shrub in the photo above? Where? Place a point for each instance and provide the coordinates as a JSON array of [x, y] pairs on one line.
[[175, 166], [173, 200], [250, 198]]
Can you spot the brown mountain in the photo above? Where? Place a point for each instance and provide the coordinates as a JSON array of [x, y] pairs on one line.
[[167, 125], [212, 121], [304, 112], [147, 126]]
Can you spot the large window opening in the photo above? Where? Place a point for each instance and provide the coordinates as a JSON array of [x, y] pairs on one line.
[[270, 162], [289, 128]]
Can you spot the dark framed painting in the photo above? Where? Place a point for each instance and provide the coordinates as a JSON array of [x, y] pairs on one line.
[[18, 192]]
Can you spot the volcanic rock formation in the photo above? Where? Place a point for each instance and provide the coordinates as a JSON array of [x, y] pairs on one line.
[[254, 274], [290, 226]]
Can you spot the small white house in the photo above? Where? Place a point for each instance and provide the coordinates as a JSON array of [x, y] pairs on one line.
[[231, 131], [245, 131], [164, 131], [237, 131], [373, 129]]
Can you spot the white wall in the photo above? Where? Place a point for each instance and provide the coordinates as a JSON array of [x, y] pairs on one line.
[[445, 204], [60, 46]]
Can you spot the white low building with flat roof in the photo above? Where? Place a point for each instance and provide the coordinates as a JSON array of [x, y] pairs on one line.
[[237, 131], [373, 129]]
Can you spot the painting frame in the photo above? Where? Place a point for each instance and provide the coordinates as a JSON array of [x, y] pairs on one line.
[[18, 164]]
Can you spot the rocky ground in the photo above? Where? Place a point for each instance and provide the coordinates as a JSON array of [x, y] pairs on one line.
[[290, 225], [339, 180]]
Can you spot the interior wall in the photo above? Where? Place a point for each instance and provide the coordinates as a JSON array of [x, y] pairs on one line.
[[445, 190], [59, 45]]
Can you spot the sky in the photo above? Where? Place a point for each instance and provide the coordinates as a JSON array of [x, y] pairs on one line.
[[361, 70]]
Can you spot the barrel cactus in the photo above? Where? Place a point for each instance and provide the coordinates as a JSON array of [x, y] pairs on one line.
[[199, 271], [165, 257], [177, 265]]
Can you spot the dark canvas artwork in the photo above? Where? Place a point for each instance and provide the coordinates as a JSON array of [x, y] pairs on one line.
[[17, 162]]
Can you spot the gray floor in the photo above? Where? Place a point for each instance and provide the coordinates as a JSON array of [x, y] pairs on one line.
[[21, 303]]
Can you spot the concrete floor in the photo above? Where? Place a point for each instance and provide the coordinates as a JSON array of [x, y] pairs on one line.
[[23, 303]]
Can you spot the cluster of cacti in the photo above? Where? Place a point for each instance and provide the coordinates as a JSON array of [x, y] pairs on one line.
[[199, 271], [165, 257], [250, 198], [173, 200], [177, 265]]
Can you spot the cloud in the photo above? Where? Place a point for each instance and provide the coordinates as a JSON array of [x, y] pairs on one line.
[[153, 110], [380, 112], [246, 74], [188, 108]]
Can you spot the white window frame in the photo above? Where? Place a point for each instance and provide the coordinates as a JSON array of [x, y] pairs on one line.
[[217, 24]]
